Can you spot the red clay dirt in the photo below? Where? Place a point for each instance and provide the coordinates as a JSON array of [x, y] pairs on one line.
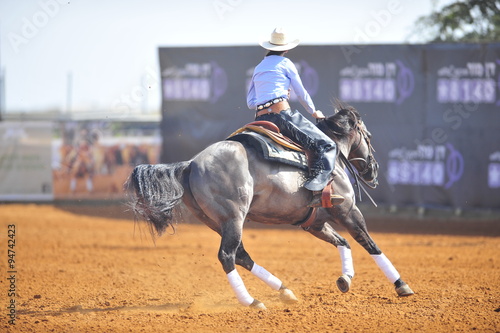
[[81, 273]]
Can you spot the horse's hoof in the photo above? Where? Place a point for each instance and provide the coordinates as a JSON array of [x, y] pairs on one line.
[[287, 296], [258, 305], [404, 290], [344, 283]]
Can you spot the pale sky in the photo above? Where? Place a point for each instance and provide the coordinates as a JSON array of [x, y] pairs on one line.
[[108, 49]]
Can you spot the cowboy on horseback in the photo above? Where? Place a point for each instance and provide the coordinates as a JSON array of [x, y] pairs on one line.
[[268, 94]]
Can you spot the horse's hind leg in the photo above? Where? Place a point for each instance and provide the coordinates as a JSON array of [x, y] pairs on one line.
[[230, 242], [222, 190], [326, 233], [243, 259], [228, 256]]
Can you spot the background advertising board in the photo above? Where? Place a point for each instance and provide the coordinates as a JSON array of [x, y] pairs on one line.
[[433, 110]]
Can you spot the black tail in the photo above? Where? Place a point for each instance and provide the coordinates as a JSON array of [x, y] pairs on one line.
[[154, 191]]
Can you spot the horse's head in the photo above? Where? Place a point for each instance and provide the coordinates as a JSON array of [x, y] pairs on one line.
[[346, 127]]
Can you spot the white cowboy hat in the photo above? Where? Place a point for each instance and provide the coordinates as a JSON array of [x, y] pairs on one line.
[[279, 42]]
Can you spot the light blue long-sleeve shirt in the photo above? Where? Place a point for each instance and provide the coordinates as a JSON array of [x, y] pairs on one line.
[[272, 78]]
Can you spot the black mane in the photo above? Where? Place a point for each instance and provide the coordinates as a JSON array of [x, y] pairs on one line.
[[342, 122]]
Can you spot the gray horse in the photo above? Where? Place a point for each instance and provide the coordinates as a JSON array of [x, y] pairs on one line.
[[229, 182]]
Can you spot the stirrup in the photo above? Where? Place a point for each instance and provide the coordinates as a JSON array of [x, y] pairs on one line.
[[317, 200]]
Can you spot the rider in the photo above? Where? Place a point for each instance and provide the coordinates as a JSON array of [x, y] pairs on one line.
[[268, 94]]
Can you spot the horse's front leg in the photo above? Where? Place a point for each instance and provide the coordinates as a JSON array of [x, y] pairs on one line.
[[356, 226], [326, 233]]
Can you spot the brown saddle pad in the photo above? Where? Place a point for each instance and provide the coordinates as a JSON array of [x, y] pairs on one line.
[[270, 130]]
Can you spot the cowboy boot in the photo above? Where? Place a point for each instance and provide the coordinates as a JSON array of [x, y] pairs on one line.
[[321, 171]]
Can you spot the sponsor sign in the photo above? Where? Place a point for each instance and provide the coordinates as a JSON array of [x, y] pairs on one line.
[[433, 110]]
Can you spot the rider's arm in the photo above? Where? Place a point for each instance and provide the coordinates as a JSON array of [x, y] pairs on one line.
[[298, 87], [251, 97]]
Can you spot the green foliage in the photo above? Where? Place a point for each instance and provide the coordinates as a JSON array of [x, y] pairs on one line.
[[461, 21]]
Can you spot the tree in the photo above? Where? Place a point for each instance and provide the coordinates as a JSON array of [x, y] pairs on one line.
[[461, 21]]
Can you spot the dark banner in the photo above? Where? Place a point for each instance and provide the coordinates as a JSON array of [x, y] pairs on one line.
[[433, 110], [204, 96]]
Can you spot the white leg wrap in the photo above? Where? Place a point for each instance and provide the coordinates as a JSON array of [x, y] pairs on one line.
[[271, 280], [239, 288], [386, 266], [346, 259]]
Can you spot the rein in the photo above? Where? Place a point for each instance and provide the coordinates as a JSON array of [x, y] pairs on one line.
[[358, 178], [356, 175]]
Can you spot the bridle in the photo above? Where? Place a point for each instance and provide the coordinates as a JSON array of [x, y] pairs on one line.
[[369, 162]]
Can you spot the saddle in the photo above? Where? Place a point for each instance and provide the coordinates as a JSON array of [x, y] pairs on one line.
[[272, 131], [266, 137]]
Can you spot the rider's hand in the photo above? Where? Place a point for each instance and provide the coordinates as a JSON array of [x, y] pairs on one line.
[[318, 114]]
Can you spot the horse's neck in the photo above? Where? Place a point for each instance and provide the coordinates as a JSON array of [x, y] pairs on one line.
[[343, 147]]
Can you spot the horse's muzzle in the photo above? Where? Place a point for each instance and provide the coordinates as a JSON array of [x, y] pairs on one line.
[[372, 172]]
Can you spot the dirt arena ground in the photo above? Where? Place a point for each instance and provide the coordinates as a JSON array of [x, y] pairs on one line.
[[88, 273]]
